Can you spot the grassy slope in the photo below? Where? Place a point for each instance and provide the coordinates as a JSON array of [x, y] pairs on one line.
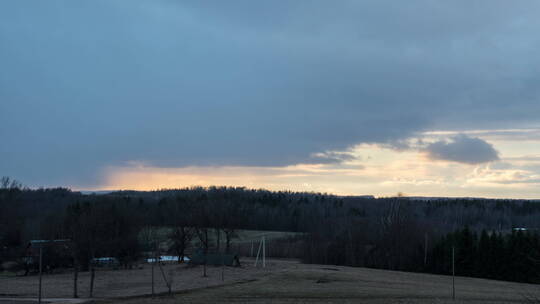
[[298, 283], [241, 236]]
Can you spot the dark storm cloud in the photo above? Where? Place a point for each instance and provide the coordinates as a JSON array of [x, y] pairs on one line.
[[87, 84], [463, 149]]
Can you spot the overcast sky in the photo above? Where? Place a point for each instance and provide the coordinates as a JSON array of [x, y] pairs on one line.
[[350, 97]]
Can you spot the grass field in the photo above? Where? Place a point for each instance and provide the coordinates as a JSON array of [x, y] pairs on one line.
[[283, 281], [134, 282], [298, 283], [241, 237]]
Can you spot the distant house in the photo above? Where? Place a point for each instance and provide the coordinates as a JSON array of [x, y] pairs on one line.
[[110, 262], [166, 259], [33, 247], [217, 259], [524, 229], [55, 254]]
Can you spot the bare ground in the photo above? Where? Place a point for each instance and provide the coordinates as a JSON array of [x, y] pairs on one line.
[[287, 282]]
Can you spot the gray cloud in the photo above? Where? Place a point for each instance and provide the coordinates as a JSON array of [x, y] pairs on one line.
[[462, 149], [331, 157], [84, 85]]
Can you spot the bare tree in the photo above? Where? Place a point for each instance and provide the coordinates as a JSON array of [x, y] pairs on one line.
[[181, 237], [179, 215]]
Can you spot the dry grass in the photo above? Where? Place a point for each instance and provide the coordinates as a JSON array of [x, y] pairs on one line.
[[125, 283], [323, 284], [283, 282]]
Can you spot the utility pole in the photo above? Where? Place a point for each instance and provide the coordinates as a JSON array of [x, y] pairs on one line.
[[453, 273], [153, 264], [75, 278], [258, 253], [40, 271], [42, 243], [92, 277]]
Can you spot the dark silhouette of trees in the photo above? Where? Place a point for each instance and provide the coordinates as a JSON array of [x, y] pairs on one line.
[[182, 231], [391, 233], [513, 256], [103, 229]]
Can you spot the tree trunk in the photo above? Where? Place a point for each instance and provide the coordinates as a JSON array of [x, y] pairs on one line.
[[180, 255]]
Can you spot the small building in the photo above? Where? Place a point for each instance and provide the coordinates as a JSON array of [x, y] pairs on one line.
[[55, 254], [166, 259], [217, 259], [109, 262]]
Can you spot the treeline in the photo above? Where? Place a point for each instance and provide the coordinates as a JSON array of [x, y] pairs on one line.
[[514, 256], [390, 233]]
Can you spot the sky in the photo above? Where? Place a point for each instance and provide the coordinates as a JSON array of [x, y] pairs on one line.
[[422, 97]]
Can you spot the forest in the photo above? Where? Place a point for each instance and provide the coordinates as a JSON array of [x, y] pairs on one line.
[[491, 238]]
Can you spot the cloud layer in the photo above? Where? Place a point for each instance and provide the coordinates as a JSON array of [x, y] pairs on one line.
[[87, 85], [462, 149]]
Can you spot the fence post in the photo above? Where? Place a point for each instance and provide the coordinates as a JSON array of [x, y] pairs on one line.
[[92, 277], [222, 268], [75, 278], [425, 249]]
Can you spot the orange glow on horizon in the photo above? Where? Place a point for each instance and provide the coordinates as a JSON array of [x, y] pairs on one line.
[[376, 171]]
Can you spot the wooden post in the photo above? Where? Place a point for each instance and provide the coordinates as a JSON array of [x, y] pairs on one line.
[[75, 269], [40, 272], [92, 276], [75, 278], [205, 251], [453, 273], [204, 267], [218, 241], [153, 278], [222, 268], [264, 251], [425, 249]]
